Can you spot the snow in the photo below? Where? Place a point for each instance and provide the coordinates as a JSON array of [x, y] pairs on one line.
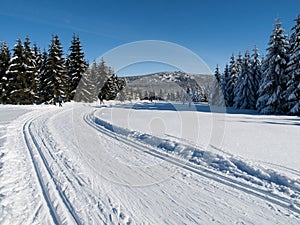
[[147, 163]]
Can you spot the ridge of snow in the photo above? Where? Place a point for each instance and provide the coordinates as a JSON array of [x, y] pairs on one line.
[[235, 166]]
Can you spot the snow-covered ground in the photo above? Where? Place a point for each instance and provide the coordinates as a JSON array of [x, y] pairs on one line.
[[147, 163]]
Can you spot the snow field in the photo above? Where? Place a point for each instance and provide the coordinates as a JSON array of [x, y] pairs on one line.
[[82, 168], [238, 167]]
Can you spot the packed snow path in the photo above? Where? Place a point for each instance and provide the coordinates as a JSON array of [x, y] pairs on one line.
[[68, 166]]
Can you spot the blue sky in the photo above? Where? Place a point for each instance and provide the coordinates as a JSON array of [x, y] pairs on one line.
[[212, 29]]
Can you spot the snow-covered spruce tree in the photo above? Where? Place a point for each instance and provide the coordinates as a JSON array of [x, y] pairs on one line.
[[256, 70], [15, 75], [238, 66], [228, 87], [293, 70], [112, 86], [38, 62], [76, 66], [273, 85], [4, 64], [29, 84], [234, 67], [43, 79], [216, 95], [244, 97], [230, 84], [55, 77], [102, 74], [86, 89], [109, 90]]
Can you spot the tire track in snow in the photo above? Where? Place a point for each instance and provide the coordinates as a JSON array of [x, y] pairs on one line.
[[203, 171]]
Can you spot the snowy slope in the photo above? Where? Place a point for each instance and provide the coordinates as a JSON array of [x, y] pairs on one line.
[[88, 165]]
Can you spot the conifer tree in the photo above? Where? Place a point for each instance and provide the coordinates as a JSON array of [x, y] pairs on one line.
[[233, 71], [216, 96], [256, 71], [244, 96], [110, 88], [43, 79], [38, 62], [274, 81], [238, 66], [4, 64], [234, 66], [15, 75], [29, 82], [293, 70], [76, 66], [86, 89], [228, 87], [55, 77], [102, 75]]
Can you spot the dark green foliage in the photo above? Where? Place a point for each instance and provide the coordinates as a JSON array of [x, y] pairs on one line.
[[271, 93], [29, 83], [42, 87], [21, 75], [256, 71], [4, 64], [293, 70], [110, 88], [76, 66], [228, 87], [99, 80], [244, 89], [38, 65], [15, 76], [216, 95], [55, 77]]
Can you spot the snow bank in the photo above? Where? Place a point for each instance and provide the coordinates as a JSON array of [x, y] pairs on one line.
[[231, 165]]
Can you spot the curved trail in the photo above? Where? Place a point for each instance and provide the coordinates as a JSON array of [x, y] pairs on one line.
[[199, 169], [81, 173]]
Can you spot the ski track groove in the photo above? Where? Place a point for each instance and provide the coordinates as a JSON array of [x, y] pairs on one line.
[[66, 179], [41, 165], [41, 182], [197, 169]]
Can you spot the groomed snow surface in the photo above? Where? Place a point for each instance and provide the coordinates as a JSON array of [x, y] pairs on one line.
[[147, 163]]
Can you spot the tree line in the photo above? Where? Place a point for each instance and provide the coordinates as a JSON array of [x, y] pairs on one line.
[[99, 80], [29, 76], [271, 84]]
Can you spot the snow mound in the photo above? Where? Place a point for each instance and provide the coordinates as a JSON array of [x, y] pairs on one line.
[[229, 165]]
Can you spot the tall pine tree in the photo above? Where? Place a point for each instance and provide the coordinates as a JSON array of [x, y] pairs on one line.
[[233, 70], [216, 96], [86, 89], [256, 70], [15, 75], [76, 66], [244, 89], [38, 62], [55, 77], [30, 80], [43, 79], [228, 87], [293, 70], [272, 88], [4, 64]]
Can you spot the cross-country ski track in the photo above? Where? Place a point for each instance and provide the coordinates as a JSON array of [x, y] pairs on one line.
[[80, 169]]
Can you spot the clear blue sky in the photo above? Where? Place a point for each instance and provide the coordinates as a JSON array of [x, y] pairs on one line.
[[213, 29]]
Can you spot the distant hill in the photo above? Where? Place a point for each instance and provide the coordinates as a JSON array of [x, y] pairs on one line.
[[164, 83]]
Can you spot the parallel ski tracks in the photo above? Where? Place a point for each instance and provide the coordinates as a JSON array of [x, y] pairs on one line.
[[203, 171], [51, 191]]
